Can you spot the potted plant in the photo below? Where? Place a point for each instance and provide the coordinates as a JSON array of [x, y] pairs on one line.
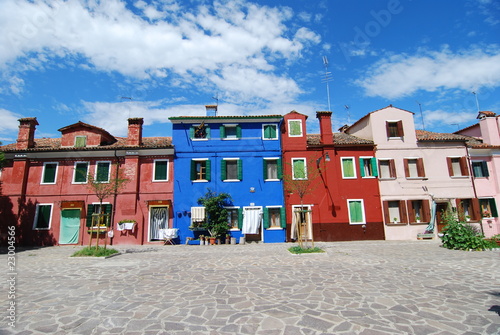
[[215, 222], [467, 218], [202, 240], [395, 220], [417, 218], [126, 224]]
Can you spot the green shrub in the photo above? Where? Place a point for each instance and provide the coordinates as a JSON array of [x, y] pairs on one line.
[[462, 236], [300, 250], [94, 252]]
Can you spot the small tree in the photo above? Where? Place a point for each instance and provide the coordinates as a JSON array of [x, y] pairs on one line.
[[103, 190], [216, 220], [461, 236]]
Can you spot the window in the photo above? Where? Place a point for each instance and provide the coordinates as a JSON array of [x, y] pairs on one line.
[[102, 171], [160, 170], [387, 169], [468, 209], [274, 217], [394, 128], [80, 141], [199, 132], [80, 172], [200, 170], [457, 166], [273, 169], [230, 132], [368, 167], [356, 211], [294, 128], [42, 216], [394, 212], [488, 208], [480, 169], [98, 209], [269, 132], [418, 211], [231, 169], [49, 173], [234, 217], [299, 168], [414, 168], [197, 216], [348, 168]]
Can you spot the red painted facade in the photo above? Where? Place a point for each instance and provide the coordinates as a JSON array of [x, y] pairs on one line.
[[330, 194], [27, 188]]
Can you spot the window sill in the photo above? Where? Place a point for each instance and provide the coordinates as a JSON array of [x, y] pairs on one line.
[[396, 224], [459, 177], [231, 180], [418, 223], [369, 177], [234, 229], [160, 181], [200, 181], [41, 228], [350, 178], [270, 139], [274, 228], [388, 178], [271, 179], [416, 178], [199, 139], [356, 223], [230, 139]]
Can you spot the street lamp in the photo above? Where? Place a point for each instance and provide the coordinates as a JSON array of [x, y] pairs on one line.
[[327, 159]]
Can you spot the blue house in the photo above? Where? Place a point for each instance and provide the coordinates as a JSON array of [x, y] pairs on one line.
[[238, 155]]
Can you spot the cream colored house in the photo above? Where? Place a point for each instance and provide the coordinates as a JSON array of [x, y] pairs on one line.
[[420, 173]]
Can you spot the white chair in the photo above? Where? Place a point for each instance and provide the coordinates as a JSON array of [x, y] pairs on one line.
[[169, 235]]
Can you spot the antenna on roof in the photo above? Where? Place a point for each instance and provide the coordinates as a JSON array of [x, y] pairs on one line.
[[348, 114], [477, 102], [216, 98], [129, 99], [326, 79], [421, 114]]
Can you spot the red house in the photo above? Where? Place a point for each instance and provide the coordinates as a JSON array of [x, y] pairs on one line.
[[45, 193], [340, 202]]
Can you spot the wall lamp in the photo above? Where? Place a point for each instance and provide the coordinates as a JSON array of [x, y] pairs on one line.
[[327, 159]]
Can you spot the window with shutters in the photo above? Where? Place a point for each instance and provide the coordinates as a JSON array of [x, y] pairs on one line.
[[102, 172], [368, 167], [80, 172], [274, 217], [80, 141], [418, 211], [294, 128], [272, 169], [395, 212], [231, 169], [43, 214], [457, 166], [49, 173], [160, 170], [348, 167], [200, 170], [230, 132], [387, 169], [468, 210], [414, 168], [488, 208], [480, 169], [394, 128], [356, 211], [234, 217], [299, 168], [269, 131], [199, 132], [93, 209]]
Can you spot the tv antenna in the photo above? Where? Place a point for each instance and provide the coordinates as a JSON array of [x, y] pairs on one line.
[[216, 98], [348, 114], [326, 79], [477, 102], [128, 107], [421, 114]]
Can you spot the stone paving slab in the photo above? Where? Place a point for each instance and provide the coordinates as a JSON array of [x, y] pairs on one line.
[[368, 288]]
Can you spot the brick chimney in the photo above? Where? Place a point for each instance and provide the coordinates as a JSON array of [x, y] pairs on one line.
[[26, 135], [134, 137], [325, 127], [211, 110]]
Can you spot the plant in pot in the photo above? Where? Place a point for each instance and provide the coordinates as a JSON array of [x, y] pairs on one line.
[[216, 215]]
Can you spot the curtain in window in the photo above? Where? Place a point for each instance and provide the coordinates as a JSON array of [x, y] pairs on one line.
[[70, 226], [251, 220], [158, 220]]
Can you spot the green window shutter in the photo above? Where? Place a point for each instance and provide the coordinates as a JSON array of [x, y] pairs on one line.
[[238, 131], [299, 169], [90, 211], [102, 173], [50, 173], [81, 172], [107, 210], [80, 141], [373, 161], [266, 218], [240, 218], [361, 168], [193, 170], [223, 170], [348, 167], [283, 217], [207, 131], [222, 130], [191, 132], [161, 170], [43, 220], [208, 169], [264, 165], [493, 207], [280, 169], [240, 169], [267, 132], [273, 131], [355, 211]]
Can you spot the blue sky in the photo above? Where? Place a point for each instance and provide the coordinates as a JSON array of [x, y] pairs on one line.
[[69, 61]]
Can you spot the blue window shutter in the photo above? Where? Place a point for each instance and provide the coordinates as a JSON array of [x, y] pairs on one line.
[[374, 166]]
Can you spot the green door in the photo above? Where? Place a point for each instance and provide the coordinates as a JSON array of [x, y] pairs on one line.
[[70, 226]]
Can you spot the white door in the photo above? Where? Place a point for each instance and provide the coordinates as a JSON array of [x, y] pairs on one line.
[[158, 219]]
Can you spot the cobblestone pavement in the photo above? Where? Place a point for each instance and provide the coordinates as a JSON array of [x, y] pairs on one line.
[[370, 287]]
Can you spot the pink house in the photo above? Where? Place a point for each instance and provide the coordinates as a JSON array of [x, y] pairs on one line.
[[485, 162], [45, 184]]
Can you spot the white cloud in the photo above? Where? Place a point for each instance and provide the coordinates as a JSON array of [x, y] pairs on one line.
[[402, 75], [163, 39], [441, 117], [9, 125]]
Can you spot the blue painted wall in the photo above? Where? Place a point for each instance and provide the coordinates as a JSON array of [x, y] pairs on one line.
[[251, 148]]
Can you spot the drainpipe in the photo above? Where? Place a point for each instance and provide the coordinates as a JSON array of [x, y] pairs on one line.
[[471, 173]]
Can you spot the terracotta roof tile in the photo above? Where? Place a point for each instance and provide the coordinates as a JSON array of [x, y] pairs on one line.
[[338, 139]]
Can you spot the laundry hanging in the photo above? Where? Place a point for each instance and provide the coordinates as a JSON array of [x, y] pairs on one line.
[[252, 218]]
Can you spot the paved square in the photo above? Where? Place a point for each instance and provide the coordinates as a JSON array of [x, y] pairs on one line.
[[370, 287]]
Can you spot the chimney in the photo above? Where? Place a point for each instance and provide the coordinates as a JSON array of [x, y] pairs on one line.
[[211, 110], [325, 127], [134, 137], [488, 124], [26, 135]]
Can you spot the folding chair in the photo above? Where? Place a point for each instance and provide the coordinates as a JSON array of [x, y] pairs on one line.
[[169, 235]]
